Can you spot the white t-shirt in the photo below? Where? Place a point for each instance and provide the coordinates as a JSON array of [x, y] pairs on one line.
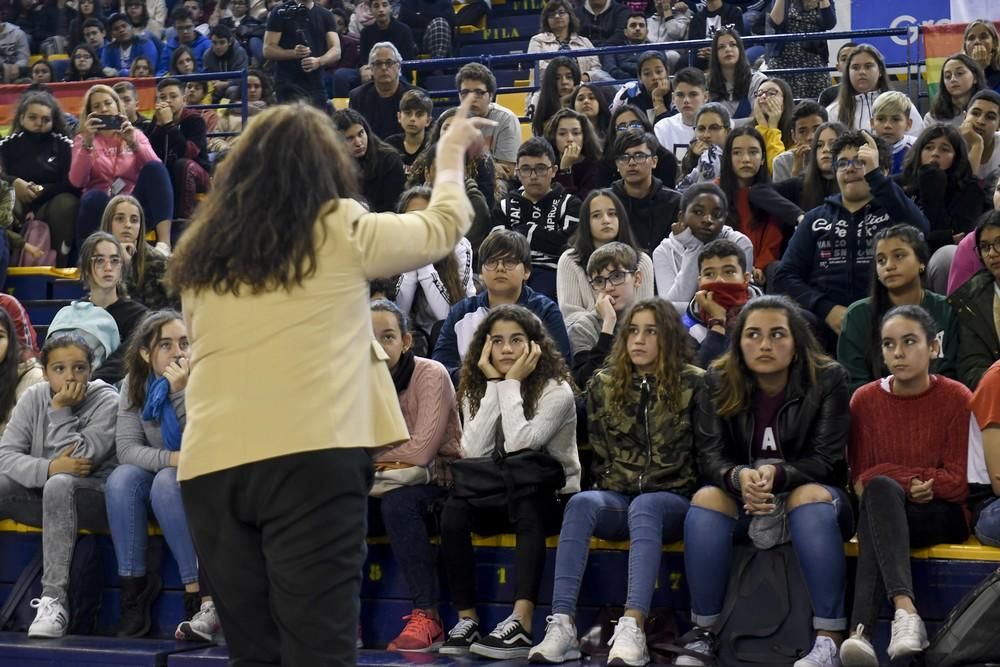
[[989, 171], [674, 135]]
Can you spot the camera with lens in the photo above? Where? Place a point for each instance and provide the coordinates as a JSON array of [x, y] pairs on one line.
[[291, 11]]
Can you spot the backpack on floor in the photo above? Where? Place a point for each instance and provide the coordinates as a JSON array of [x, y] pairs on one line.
[[969, 636], [85, 588], [767, 616]]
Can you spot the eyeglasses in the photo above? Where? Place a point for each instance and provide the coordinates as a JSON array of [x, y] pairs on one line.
[[770, 92], [630, 158], [540, 170], [559, 13], [714, 127], [384, 64], [509, 263], [615, 278], [843, 164], [478, 92], [99, 262], [986, 247], [634, 125]]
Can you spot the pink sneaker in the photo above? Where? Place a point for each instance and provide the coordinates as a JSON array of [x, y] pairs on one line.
[[422, 634]]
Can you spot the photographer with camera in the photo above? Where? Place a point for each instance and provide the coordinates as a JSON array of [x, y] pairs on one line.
[[301, 37]]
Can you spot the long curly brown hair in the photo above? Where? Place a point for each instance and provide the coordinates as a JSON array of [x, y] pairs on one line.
[[551, 365], [673, 354], [258, 228]]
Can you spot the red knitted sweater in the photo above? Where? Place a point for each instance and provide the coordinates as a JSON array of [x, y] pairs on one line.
[[912, 437]]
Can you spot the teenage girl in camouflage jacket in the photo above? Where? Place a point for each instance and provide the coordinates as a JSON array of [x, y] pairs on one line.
[[640, 412]]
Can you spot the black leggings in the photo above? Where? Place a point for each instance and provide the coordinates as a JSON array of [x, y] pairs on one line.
[[888, 527], [528, 517]]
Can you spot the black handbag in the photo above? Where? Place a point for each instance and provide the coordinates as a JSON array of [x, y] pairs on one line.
[[492, 481]]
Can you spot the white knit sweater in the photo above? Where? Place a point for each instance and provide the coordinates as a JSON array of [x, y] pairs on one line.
[[552, 429]]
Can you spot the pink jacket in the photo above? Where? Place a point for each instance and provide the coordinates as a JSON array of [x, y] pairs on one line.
[[110, 159], [431, 415], [965, 264]]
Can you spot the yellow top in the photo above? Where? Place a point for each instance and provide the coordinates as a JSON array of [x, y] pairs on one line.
[[773, 144], [281, 372]]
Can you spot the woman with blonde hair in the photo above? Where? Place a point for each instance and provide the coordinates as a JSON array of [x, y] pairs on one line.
[[145, 268], [981, 42], [112, 157], [276, 497]]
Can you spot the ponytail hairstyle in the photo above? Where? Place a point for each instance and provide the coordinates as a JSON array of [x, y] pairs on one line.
[[881, 303]]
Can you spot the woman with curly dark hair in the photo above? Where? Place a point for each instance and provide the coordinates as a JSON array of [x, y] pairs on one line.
[[291, 265], [640, 419], [515, 394]]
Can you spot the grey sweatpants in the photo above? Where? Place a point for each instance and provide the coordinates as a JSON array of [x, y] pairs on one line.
[[65, 504]]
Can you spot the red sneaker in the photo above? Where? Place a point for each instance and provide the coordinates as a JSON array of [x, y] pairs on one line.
[[422, 634]]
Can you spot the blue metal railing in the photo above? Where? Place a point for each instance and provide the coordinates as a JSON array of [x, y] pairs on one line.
[[243, 105], [533, 58]]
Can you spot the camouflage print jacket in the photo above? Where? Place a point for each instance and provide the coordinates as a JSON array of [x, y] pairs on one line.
[[644, 447], [153, 292]]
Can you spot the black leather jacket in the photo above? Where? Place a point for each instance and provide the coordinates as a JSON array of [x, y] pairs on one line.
[[812, 433]]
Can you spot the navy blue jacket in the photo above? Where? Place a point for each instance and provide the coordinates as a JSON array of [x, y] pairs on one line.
[[828, 260], [466, 315]]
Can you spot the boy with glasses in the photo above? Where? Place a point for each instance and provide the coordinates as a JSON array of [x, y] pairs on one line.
[[651, 206], [186, 35], [504, 138], [540, 210], [505, 264], [378, 100], [613, 271], [828, 262]]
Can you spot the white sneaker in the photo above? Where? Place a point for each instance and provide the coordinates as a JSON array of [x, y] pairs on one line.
[[51, 620], [628, 644], [857, 651], [823, 654], [909, 635], [560, 643], [203, 626]]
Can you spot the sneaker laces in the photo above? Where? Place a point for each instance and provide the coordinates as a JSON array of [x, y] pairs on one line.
[[420, 624], [859, 632], [823, 652], [462, 627], [701, 644], [908, 624], [625, 629], [505, 628], [45, 606], [553, 625]]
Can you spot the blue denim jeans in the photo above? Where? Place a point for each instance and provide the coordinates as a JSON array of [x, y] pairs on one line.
[[988, 525], [649, 520], [818, 531], [129, 492]]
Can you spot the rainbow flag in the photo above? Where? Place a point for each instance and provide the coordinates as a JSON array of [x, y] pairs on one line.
[[70, 95], [941, 41]]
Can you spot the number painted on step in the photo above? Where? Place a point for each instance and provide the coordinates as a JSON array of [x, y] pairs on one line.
[[374, 572], [675, 580], [502, 575]]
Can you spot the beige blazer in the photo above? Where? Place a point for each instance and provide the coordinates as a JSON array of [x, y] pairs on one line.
[[287, 372]]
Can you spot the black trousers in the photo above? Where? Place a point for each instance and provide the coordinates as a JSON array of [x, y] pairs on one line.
[[528, 517], [283, 543], [890, 525]]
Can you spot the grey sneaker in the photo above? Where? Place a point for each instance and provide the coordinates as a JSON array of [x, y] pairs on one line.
[[203, 626]]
